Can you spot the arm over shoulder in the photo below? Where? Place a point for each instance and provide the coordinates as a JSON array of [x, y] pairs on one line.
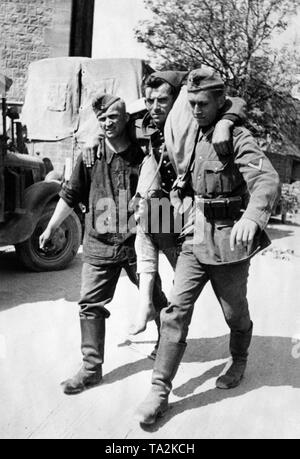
[[235, 110]]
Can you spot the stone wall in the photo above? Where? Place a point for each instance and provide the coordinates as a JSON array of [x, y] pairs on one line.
[[31, 30]]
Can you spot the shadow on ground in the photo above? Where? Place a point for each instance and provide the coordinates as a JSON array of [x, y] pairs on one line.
[[271, 364], [278, 233], [19, 286]]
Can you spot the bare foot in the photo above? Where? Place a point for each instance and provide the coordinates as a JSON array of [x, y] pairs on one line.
[[145, 315]]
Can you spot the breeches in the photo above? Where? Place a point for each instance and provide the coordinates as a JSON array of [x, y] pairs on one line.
[[99, 285], [229, 283]]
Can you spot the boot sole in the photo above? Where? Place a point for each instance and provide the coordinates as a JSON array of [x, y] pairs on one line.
[[150, 421], [83, 389], [231, 386], [153, 419]]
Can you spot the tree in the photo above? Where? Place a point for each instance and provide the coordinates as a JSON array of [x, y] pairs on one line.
[[234, 38]]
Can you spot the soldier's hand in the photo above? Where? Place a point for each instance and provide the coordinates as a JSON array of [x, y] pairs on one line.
[[222, 138], [243, 233], [181, 205], [89, 153], [45, 237], [141, 209], [176, 199]]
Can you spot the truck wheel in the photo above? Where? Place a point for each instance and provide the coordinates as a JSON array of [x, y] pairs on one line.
[[60, 251]]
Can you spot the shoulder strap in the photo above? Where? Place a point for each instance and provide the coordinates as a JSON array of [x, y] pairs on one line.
[[158, 167], [182, 180], [193, 155]]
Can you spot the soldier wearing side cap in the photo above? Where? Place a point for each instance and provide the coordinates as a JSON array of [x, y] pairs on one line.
[[108, 244], [157, 177], [233, 196]]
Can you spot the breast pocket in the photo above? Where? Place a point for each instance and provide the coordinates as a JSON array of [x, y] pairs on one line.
[[119, 177], [217, 178]]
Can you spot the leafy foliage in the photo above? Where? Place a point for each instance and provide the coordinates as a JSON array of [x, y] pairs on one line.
[[291, 196], [232, 37]]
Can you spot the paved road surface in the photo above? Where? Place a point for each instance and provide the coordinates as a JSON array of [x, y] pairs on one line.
[[39, 347]]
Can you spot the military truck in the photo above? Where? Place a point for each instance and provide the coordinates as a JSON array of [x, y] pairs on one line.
[[29, 192], [57, 110]]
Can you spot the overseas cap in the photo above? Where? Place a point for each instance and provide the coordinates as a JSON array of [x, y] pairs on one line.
[[174, 78], [102, 102], [203, 80]]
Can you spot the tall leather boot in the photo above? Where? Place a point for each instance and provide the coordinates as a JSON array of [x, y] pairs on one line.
[[167, 361], [239, 345], [92, 348], [153, 354], [160, 302]]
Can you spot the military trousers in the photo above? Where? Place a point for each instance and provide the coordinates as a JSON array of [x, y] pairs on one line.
[[99, 284], [229, 283]]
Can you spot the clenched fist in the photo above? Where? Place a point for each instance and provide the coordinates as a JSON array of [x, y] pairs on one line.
[[45, 238], [222, 138]]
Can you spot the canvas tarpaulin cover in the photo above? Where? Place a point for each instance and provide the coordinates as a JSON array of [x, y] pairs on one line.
[[50, 111], [121, 77], [60, 91]]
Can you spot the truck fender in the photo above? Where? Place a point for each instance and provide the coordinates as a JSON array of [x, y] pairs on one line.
[[37, 197]]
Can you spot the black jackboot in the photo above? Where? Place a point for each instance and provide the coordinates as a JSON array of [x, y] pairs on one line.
[[167, 361], [92, 348], [239, 345], [153, 354], [160, 302]]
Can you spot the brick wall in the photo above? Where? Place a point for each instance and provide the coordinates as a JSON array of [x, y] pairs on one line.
[[31, 30]]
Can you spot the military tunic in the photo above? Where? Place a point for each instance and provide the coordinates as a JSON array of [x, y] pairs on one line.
[[226, 188], [241, 185], [108, 244], [157, 176], [156, 182]]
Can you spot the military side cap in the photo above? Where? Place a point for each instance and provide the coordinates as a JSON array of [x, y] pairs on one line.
[[174, 78], [102, 102], [203, 80]]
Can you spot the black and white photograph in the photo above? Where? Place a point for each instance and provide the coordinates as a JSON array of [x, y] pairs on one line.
[[149, 222]]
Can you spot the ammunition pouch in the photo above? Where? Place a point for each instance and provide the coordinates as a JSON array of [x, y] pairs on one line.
[[221, 209]]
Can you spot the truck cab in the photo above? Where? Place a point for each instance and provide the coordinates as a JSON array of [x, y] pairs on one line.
[[28, 197]]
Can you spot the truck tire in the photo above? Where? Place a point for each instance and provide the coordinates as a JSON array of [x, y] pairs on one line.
[[61, 250]]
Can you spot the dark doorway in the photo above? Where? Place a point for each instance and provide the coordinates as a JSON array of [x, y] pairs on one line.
[[82, 28], [296, 171]]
